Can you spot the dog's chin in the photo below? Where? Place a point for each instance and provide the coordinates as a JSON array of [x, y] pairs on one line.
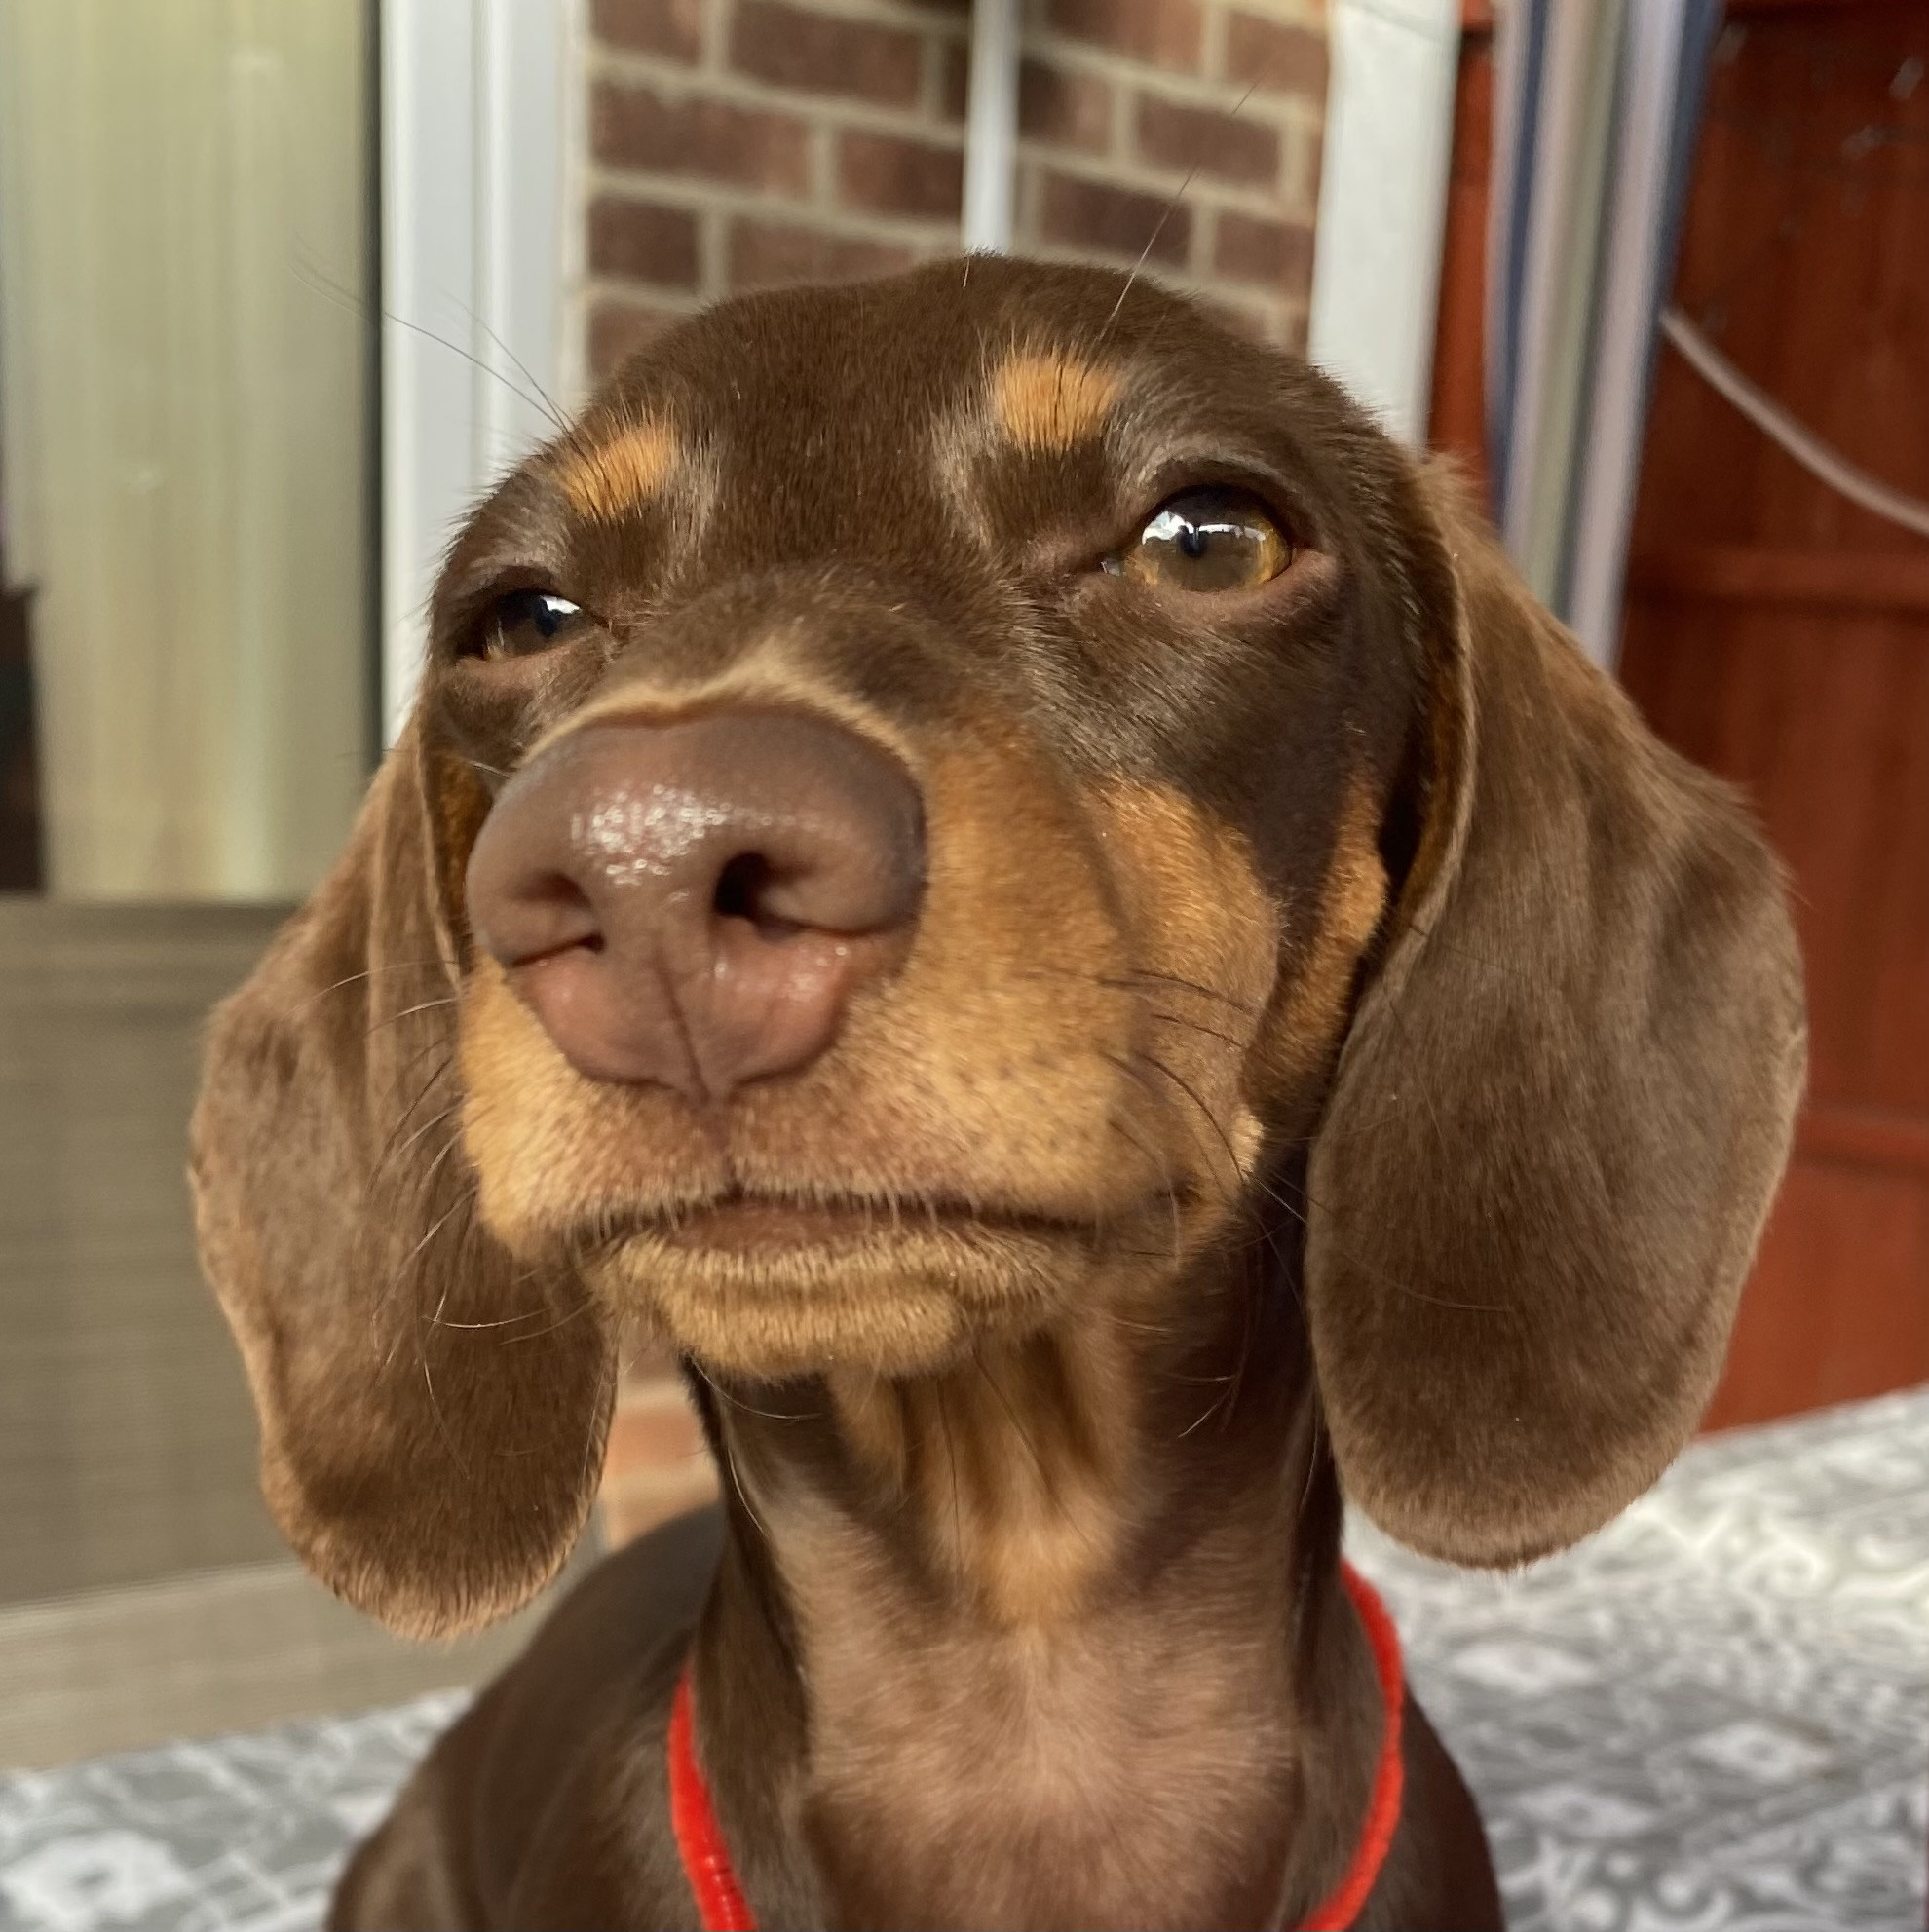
[[768, 1289]]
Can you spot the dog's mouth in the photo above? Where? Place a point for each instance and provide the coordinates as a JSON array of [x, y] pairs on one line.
[[748, 1226], [764, 1283]]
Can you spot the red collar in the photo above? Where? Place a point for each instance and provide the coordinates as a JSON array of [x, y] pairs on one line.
[[700, 1839]]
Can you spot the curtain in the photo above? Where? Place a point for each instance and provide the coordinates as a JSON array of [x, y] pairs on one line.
[[185, 432]]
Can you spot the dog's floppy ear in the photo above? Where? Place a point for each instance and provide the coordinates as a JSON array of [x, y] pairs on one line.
[[1564, 1103], [433, 1415]]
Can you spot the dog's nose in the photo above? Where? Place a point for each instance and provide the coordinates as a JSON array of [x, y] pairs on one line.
[[692, 904]]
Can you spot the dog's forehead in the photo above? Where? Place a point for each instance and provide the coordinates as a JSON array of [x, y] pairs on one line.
[[820, 403]]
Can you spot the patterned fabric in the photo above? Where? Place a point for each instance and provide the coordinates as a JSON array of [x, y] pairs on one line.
[[1715, 1713], [241, 1833], [1713, 1717]]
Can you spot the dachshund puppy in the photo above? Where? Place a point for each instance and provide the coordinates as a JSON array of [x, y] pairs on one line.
[[996, 864]]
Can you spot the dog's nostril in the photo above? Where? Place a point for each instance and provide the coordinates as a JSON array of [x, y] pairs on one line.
[[573, 919], [547, 915], [699, 901], [748, 888], [741, 887]]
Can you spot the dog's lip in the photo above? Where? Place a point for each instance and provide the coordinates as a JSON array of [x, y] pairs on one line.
[[759, 1222]]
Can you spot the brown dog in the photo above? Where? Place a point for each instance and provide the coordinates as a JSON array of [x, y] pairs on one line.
[[999, 866]]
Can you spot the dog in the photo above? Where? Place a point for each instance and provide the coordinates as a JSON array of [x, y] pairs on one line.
[[991, 860]]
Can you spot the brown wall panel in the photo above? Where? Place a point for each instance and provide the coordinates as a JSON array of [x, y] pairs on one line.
[[1834, 1309]]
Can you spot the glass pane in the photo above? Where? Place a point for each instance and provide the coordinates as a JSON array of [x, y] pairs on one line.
[[185, 436], [187, 647]]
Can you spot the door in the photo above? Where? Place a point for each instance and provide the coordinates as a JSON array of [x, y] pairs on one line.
[[1780, 635]]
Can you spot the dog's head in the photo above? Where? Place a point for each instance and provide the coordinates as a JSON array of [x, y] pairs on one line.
[[921, 803]]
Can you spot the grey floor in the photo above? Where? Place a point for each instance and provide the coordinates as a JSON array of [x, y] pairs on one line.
[[143, 1591]]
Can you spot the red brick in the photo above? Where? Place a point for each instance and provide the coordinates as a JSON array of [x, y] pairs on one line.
[[638, 126], [629, 1510], [792, 46], [1167, 33], [1203, 140], [955, 80], [673, 28], [1255, 324], [1064, 109], [888, 174], [766, 252], [619, 329], [1252, 248], [1115, 221], [1273, 56], [652, 1429], [643, 242]]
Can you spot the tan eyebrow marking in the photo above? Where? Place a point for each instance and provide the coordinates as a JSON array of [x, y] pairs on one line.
[[606, 479], [1052, 402]]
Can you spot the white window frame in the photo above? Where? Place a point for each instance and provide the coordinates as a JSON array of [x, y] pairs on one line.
[[481, 276]]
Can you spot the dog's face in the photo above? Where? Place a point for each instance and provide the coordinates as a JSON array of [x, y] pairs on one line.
[[920, 801], [952, 729]]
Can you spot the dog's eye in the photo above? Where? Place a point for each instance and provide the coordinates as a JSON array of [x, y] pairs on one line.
[[526, 621], [1208, 540]]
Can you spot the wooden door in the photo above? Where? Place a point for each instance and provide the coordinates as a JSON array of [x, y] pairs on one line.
[[1780, 635]]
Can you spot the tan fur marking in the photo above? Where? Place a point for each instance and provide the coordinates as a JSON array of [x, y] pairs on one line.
[[1051, 402], [609, 479], [1205, 953], [1302, 1031], [1015, 1463]]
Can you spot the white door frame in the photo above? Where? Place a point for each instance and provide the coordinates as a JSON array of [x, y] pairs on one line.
[[1382, 202], [479, 105]]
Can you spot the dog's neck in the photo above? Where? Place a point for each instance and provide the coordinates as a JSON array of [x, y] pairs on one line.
[[1046, 1619]]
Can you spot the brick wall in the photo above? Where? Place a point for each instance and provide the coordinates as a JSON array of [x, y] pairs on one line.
[[740, 142], [737, 143]]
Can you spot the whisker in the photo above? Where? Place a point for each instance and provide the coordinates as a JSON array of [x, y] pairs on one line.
[[370, 973], [522, 368], [1134, 983], [1177, 980], [1191, 1092], [723, 1394], [441, 1222], [429, 1125], [1158, 227], [737, 1483], [1166, 1186], [425, 1007], [344, 299], [582, 1308], [1195, 1026], [951, 1457]]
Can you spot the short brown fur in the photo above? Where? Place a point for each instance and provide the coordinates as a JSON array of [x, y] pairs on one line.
[[1337, 1045]]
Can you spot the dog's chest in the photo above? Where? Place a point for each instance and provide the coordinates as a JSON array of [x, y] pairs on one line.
[[1120, 1773]]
